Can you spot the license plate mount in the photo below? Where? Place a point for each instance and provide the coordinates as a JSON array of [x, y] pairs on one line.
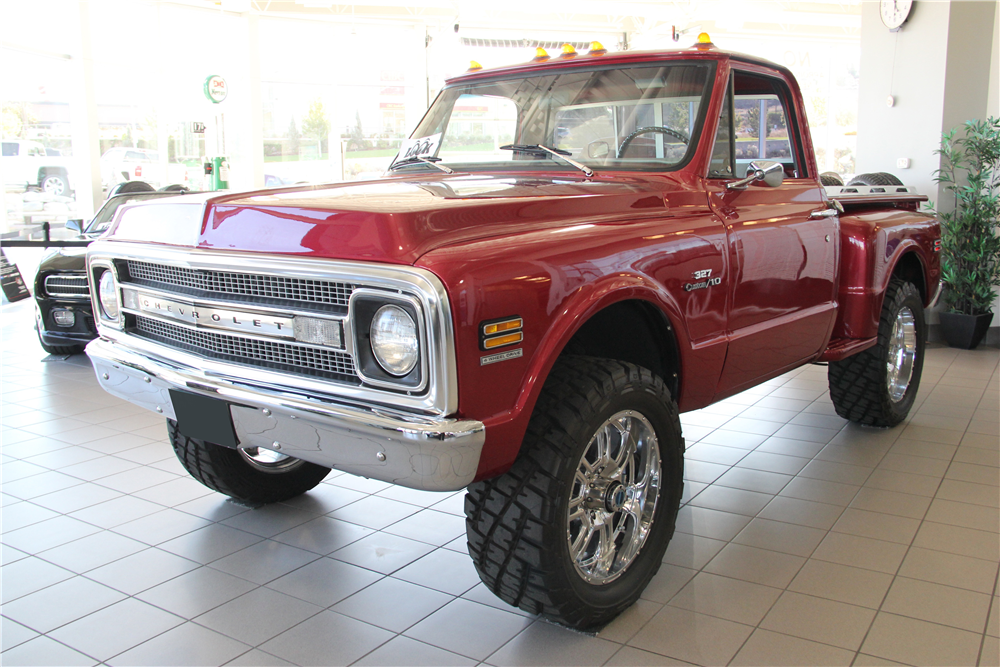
[[204, 418]]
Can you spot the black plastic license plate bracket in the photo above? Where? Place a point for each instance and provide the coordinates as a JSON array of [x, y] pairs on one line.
[[204, 418]]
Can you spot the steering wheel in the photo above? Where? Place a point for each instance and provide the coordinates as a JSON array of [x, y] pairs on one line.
[[653, 128]]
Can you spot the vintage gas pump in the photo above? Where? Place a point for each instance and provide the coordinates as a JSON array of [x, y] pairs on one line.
[[217, 171]]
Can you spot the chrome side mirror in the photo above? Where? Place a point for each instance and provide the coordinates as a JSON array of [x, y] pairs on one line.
[[769, 171], [75, 225]]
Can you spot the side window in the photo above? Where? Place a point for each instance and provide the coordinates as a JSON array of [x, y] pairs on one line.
[[9, 149], [721, 165], [763, 130]]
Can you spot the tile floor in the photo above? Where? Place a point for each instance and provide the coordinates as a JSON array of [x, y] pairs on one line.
[[803, 540]]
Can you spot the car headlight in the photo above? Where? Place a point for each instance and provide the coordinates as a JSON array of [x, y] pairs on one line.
[[107, 292], [395, 341]]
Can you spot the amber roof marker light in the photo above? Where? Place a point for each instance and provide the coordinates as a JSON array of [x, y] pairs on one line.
[[597, 49], [541, 55], [704, 42], [568, 51], [473, 66]]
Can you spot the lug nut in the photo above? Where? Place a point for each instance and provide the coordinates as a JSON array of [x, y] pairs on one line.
[[105, 376], [267, 413], [380, 456], [276, 445], [146, 379]]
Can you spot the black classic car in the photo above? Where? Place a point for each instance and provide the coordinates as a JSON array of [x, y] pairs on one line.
[[64, 319]]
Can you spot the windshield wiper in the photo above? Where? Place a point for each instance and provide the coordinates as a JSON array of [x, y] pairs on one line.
[[431, 160], [545, 151]]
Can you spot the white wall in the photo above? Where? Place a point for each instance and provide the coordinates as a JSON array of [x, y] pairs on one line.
[[942, 69], [910, 65]]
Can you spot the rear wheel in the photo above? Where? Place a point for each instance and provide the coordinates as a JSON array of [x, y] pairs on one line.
[[254, 475], [578, 526], [878, 386], [55, 184]]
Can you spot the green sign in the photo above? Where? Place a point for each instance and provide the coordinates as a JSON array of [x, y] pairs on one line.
[[216, 89]]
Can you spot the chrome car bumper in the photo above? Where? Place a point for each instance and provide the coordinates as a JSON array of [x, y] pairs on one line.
[[428, 453]]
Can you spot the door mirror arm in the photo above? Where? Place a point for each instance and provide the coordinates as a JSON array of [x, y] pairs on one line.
[[772, 173]]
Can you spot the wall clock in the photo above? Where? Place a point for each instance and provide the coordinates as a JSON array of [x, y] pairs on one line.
[[895, 12]]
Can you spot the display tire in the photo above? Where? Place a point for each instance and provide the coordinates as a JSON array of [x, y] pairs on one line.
[[518, 523], [229, 472], [875, 178], [831, 179], [860, 384]]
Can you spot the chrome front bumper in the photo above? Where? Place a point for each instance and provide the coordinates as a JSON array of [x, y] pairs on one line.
[[428, 453]]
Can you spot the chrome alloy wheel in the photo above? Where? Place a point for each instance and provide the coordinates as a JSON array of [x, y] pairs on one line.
[[613, 500], [902, 354], [267, 460]]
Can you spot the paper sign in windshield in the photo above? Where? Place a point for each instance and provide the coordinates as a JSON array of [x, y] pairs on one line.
[[424, 147]]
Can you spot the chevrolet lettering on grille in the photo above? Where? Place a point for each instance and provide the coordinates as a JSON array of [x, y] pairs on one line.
[[204, 316]]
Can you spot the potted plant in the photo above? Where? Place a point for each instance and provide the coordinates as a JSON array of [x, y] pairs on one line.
[[970, 246]]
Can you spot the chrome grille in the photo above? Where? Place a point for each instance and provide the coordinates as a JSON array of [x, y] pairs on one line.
[[252, 351], [67, 285], [245, 284]]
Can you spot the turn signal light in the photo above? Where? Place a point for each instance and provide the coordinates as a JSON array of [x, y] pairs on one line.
[[597, 49], [541, 55], [499, 341], [500, 327], [498, 333]]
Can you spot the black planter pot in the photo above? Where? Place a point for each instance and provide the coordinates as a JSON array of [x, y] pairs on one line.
[[965, 332]]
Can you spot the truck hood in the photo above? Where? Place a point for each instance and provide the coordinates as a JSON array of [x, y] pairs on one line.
[[391, 220]]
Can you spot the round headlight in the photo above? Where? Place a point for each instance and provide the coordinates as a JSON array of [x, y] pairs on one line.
[[394, 340], [107, 291]]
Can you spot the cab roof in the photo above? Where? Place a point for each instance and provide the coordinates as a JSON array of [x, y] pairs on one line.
[[696, 52]]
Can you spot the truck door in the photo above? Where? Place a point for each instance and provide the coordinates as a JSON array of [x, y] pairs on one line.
[[783, 242]]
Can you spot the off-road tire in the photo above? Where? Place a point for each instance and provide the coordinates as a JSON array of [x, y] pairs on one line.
[[831, 179], [858, 384], [875, 178], [517, 523], [227, 471]]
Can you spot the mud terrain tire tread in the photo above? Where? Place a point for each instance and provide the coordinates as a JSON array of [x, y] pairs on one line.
[[875, 178], [831, 179], [858, 383], [226, 471], [514, 525]]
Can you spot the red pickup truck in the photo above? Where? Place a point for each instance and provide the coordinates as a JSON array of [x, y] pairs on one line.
[[565, 256]]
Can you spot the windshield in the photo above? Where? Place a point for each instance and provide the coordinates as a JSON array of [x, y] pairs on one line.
[[646, 118], [103, 219]]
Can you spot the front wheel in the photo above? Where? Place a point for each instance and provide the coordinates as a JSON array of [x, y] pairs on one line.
[[578, 526], [877, 387], [256, 476]]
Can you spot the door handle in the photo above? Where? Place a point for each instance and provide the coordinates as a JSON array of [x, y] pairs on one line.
[[823, 213]]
